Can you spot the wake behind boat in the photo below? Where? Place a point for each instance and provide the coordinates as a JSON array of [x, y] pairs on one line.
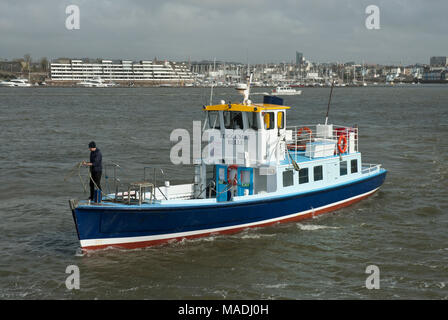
[[263, 172]]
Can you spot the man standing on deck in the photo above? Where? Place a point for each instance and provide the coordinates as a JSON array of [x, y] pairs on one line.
[[96, 167]]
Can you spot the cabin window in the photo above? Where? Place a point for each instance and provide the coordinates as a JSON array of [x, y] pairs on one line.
[[343, 168], [237, 120], [303, 175], [280, 120], [213, 120], [269, 123], [318, 173], [252, 118], [354, 166], [233, 120], [288, 178]]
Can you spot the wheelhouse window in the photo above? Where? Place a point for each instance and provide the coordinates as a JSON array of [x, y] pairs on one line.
[[354, 166], [252, 118], [233, 120], [288, 178], [269, 119], [343, 168], [213, 120], [318, 173], [303, 175], [281, 120]]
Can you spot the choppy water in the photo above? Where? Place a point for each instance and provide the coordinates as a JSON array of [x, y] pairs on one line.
[[402, 229]]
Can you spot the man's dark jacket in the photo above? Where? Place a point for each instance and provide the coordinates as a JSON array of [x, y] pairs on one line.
[[96, 159]]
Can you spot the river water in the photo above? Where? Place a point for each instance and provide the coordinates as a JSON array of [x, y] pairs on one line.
[[402, 229]]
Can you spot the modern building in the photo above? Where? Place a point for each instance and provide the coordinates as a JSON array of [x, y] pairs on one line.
[[121, 71], [438, 61], [299, 58]]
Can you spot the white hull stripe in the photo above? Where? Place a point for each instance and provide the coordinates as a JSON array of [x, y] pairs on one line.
[[111, 241]]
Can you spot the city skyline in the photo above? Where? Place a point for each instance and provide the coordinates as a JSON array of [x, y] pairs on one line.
[[324, 31]]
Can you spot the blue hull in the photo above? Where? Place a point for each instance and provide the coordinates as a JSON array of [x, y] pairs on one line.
[[137, 226]]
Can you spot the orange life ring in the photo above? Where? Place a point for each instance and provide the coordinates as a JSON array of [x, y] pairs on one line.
[[235, 178], [342, 150], [299, 132]]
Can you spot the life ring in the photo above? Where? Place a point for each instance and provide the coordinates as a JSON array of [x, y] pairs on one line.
[[299, 132], [342, 150], [235, 177]]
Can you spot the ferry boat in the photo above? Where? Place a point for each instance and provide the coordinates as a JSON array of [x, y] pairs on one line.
[[15, 83], [286, 91], [256, 171]]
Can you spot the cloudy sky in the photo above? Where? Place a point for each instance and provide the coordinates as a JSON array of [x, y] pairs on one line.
[[260, 31]]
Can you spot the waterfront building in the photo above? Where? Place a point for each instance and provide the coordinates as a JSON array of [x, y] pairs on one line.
[[439, 75], [438, 61], [122, 71]]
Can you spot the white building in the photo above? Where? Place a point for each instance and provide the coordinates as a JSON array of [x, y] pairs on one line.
[[124, 70]]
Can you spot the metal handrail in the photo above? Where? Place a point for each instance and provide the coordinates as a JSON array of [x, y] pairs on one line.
[[299, 142], [369, 167], [117, 181], [154, 178]]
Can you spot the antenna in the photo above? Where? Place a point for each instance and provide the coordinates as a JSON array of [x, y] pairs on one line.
[[247, 59], [211, 93], [329, 101], [213, 82]]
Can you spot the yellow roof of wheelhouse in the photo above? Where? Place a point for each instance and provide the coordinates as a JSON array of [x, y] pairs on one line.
[[254, 107]]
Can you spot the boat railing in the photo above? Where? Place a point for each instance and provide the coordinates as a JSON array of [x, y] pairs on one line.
[[134, 192], [315, 141], [107, 175], [154, 182], [153, 187], [369, 168]]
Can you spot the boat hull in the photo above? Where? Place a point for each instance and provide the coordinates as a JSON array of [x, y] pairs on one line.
[[140, 226]]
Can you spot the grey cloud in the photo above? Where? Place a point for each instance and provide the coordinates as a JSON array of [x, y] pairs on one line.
[[324, 30]]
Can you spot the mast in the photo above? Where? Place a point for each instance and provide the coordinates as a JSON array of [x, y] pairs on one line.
[[213, 82], [329, 101]]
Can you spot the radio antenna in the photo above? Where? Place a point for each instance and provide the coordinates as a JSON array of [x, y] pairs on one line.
[[213, 81], [329, 101]]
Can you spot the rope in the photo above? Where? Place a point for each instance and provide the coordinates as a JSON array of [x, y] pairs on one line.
[[77, 169]]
